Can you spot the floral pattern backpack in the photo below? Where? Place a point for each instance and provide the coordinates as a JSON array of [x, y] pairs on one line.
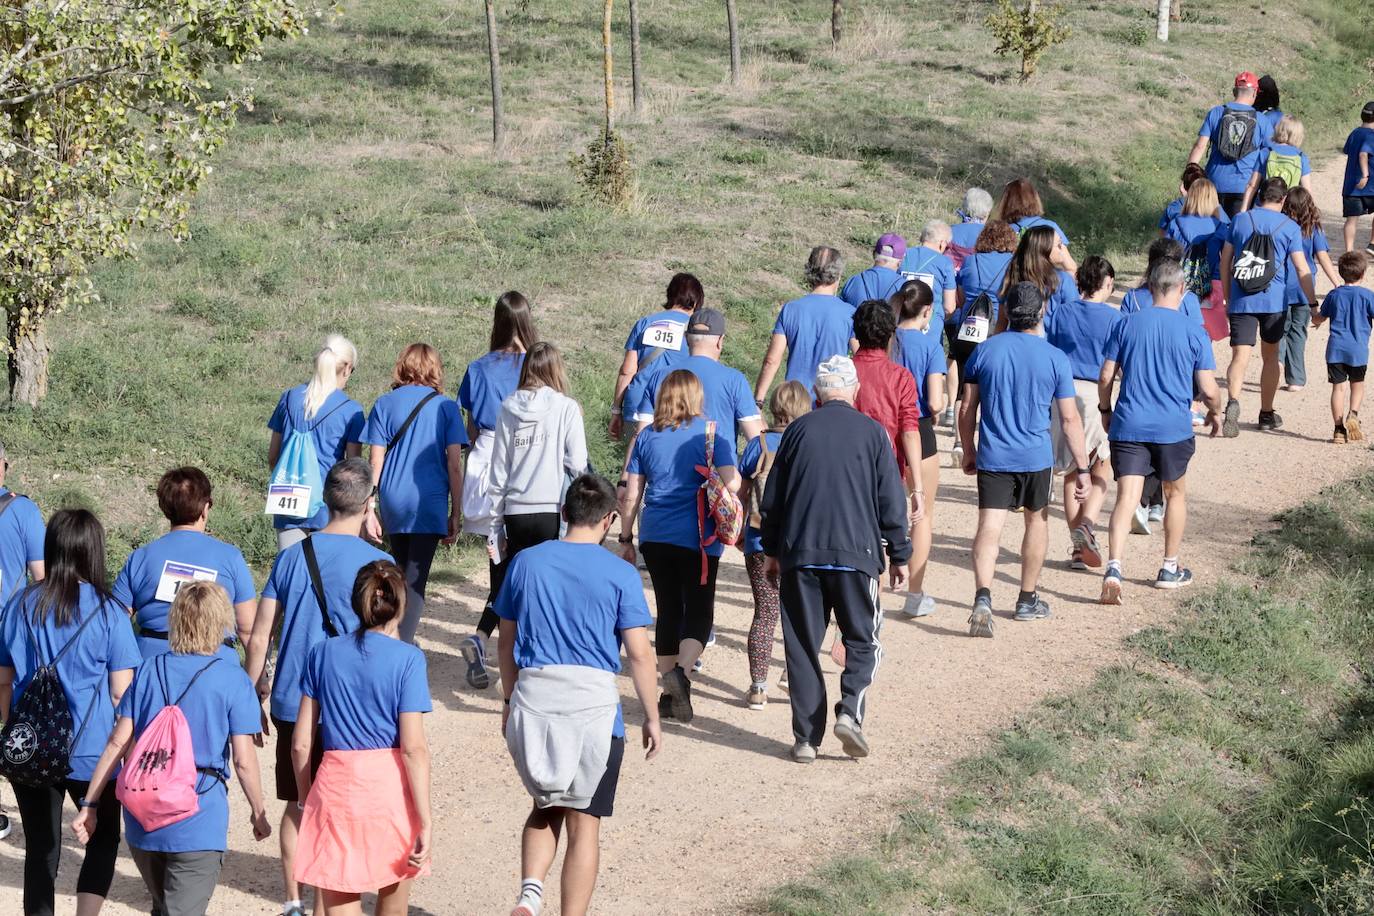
[[716, 500]]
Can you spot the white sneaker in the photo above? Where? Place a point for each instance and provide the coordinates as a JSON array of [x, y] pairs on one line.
[[918, 604], [956, 456], [1140, 522]]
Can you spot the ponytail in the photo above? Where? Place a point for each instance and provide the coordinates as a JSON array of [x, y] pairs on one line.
[[338, 350], [379, 596]]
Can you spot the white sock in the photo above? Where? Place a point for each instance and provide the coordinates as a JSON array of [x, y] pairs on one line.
[[1171, 564], [531, 894], [286, 907]]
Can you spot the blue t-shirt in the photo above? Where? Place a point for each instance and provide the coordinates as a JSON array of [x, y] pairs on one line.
[[21, 543], [414, 489], [302, 626], [965, 235], [570, 603], [1081, 330], [488, 381], [338, 422], [163, 564], [749, 468], [875, 283], [1066, 293], [1030, 222], [1018, 376], [817, 327], [1159, 352], [921, 354], [1361, 140], [982, 272], [1311, 244], [219, 705], [105, 645], [650, 328], [362, 690], [668, 460], [1191, 229], [1283, 149], [1271, 119], [728, 397], [934, 269], [1138, 299], [1350, 310], [1287, 239], [1232, 177], [1171, 209]]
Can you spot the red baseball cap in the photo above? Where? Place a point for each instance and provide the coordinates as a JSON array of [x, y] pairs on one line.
[[1247, 80]]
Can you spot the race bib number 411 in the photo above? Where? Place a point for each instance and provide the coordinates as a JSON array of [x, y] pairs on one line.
[[290, 500], [666, 335], [174, 574]]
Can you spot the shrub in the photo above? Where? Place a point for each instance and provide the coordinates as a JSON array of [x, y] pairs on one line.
[[1029, 32], [605, 170]]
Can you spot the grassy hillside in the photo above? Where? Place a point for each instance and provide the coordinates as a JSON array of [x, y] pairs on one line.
[[360, 195]]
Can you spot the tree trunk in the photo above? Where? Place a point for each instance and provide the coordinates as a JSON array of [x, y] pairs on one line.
[[636, 81], [733, 21], [1028, 62], [606, 64], [836, 23], [1162, 20], [1176, 10], [28, 366], [498, 113]]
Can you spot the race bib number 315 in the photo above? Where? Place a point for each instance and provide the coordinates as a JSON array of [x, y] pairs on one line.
[[666, 335], [174, 574], [290, 500]]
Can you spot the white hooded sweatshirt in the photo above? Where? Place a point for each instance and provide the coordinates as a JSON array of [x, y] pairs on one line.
[[539, 440]]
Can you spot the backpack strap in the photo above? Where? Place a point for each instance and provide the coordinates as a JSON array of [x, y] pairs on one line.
[[312, 564], [7, 500], [405, 427], [710, 444], [63, 651], [311, 427], [195, 677]]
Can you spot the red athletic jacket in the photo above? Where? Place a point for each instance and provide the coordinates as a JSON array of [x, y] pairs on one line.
[[887, 393]]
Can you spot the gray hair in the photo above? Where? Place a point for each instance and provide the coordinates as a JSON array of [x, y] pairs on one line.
[[1165, 275], [348, 487], [977, 203], [824, 266], [937, 230], [696, 340]]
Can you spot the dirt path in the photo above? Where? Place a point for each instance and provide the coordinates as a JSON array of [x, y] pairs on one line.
[[723, 815]]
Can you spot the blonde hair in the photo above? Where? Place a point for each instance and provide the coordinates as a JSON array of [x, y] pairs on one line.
[[200, 615], [1289, 130], [789, 401], [1201, 199], [679, 400], [337, 351]]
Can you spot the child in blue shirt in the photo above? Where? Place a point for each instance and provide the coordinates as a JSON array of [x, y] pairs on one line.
[[1357, 191], [1350, 309]]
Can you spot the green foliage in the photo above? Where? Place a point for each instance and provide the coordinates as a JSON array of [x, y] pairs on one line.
[[1028, 32], [605, 171]]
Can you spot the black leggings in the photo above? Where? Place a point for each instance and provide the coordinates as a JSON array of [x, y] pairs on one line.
[[686, 608], [521, 531], [414, 553], [40, 811]]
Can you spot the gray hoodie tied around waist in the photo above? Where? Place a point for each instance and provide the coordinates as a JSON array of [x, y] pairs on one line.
[[559, 732]]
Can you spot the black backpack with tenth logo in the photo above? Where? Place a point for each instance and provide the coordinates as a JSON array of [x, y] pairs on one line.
[[1255, 264]]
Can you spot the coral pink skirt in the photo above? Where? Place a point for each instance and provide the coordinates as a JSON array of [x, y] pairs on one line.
[[1214, 315], [359, 824]]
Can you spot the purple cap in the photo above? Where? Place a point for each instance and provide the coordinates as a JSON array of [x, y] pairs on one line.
[[891, 245]]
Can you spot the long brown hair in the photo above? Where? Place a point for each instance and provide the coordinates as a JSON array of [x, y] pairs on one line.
[[544, 369], [512, 324], [1031, 263], [73, 552], [1019, 200], [419, 364], [1302, 209]]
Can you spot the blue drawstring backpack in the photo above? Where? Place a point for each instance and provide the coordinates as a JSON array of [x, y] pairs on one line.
[[296, 489]]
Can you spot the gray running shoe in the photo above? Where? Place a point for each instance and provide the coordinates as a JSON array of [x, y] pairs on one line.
[[1032, 610], [1111, 587], [851, 735], [980, 621], [1230, 423], [803, 752], [1140, 521], [1176, 579], [1270, 421]]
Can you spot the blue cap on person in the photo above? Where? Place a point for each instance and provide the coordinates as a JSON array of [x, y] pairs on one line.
[[891, 246], [706, 321], [836, 374]]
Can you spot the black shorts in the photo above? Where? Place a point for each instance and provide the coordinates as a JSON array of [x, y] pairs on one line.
[[286, 771], [1357, 206], [929, 447], [1231, 203], [1168, 461], [1336, 373], [960, 351], [1268, 327], [1029, 490], [603, 802]]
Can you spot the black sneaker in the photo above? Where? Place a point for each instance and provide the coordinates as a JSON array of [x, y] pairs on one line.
[[665, 706], [679, 691], [1269, 421]]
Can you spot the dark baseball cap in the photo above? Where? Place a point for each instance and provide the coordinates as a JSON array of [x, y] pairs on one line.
[[1024, 299], [707, 321], [1368, 110]]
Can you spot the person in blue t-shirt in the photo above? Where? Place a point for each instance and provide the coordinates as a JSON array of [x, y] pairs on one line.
[[333, 419], [662, 473], [1233, 152], [882, 279], [154, 572], [1038, 254], [69, 620], [964, 234], [366, 827], [1301, 208], [1162, 358], [1246, 261], [980, 280], [1009, 386], [21, 538], [1191, 173], [1357, 190], [1022, 208], [659, 337], [1350, 309], [1202, 229], [1282, 158], [930, 263], [180, 861], [1138, 298], [811, 329], [488, 381], [1081, 330], [417, 440], [567, 609], [290, 605]]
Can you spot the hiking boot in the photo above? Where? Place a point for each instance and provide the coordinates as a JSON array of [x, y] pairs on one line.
[[1339, 436], [918, 604], [1035, 609], [1176, 579], [679, 691], [980, 621], [1230, 423], [1140, 521], [474, 653], [758, 697], [803, 753], [665, 706], [1090, 552], [1352, 428], [1111, 587], [851, 735], [1269, 421]]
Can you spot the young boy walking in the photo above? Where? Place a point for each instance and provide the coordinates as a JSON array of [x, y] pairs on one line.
[[1350, 309], [1357, 190]]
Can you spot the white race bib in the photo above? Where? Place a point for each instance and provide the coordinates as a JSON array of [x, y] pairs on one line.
[[291, 500], [974, 330], [927, 279], [174, 574], [666, 335]]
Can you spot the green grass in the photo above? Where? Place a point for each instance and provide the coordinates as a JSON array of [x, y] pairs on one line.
[[360, 195], [1226, 767]]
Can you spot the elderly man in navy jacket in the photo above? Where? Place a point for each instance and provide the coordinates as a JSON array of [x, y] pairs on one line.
[[833, 505]]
